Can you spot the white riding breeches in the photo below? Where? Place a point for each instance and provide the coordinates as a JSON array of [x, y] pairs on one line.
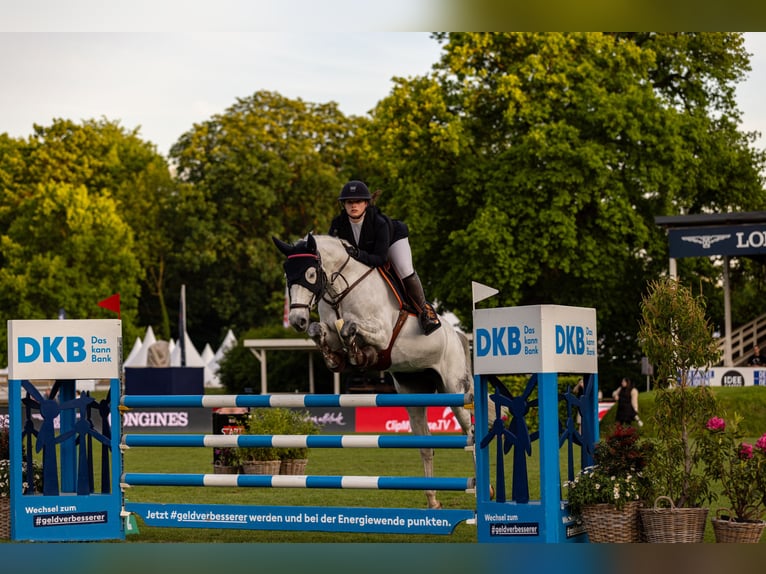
[[400, 255]]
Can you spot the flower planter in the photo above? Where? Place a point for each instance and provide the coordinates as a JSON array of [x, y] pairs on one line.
[[225, 469], [727, 529], [673, 524], [606, 524], [261, 467], [293, 466], [5, 518]]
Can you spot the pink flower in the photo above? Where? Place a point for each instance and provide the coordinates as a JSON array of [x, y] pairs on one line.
[[745, 451], [760, 444], [716, 424]]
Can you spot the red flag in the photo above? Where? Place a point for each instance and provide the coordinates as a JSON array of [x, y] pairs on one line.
[[112, 303]]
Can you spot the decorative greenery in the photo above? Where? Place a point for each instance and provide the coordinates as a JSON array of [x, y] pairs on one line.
[[271, 421], [740, 467], [227, 456], [617, 477], [5, 477], [300, 423], [677, 338], [5, 443]]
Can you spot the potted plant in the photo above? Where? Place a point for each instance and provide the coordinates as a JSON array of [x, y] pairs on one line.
[[264, 421], [677, 338], [294, 459], [740, 467], [608, 495], [227, 460]]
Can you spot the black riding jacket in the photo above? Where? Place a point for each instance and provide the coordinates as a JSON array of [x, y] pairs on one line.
[[378, 232]]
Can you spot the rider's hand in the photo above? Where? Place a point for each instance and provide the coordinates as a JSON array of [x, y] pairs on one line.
[[352, 251]]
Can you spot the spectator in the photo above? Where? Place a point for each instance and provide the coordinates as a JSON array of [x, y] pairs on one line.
[[626, 396], [757, 358]]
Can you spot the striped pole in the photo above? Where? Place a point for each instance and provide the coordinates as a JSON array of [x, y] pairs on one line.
[[300, 481], [297, 441], [291, 400]]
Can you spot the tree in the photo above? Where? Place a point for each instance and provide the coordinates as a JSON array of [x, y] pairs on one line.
[[66, 249], [110, 162], [536, 162], [267, 166]]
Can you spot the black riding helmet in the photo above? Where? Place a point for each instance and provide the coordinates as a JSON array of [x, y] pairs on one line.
[[355, 189]]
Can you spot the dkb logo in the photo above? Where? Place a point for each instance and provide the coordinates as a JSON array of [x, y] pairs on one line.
[[50, 349], [570, 340]]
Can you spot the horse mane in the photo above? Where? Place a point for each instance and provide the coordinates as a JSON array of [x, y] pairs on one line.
[[331, 242]]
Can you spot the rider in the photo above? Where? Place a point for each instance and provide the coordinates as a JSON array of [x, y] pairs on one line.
[[376, 238]]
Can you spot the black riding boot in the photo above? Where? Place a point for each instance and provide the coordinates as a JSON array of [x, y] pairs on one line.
[[429, 320]]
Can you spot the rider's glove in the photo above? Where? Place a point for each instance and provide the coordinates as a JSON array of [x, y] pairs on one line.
[[352, 251]]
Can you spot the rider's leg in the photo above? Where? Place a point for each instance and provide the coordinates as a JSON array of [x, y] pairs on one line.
[[400, 255], [429, 320]]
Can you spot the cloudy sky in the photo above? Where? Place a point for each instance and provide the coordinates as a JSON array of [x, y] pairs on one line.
[[164, 82]]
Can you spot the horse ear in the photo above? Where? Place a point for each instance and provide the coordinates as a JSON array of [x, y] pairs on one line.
[[285, 248], [311, 243]]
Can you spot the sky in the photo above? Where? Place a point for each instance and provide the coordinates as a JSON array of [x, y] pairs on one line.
[[162, 83]]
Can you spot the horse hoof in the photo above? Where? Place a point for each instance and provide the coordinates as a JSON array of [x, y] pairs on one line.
[[491, 492]]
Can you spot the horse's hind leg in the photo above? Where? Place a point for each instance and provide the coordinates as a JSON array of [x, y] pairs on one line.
[[419, 426]]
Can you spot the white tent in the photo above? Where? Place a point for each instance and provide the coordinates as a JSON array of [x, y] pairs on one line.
[[138, 359], [208, 360], [207, 354], [134, 352], [229, 341]]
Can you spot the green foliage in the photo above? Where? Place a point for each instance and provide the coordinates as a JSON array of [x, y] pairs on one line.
[[617, 475], [675, 333], [299, 423], [267, 166], [266, 421], [273, 421], [532, 162], [79, 221], [536, 163], [676, 337], [5, 443]]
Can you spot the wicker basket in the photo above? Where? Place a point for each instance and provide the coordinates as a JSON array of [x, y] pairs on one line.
[[604, 523], [260, 467], [671, 524], [224, 469], [293, 466], [728, 530], [5, 518]]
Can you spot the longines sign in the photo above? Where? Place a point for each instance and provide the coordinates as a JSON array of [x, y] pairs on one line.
[[724, 240]]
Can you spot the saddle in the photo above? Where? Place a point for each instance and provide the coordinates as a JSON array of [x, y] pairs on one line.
[[395, 283]]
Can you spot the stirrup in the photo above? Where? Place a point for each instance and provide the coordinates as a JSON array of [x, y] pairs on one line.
[[429, 320]]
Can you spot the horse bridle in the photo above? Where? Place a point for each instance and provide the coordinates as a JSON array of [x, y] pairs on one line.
[[320, 289]]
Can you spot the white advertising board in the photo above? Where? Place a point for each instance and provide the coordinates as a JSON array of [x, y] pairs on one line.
[[535, 339], [64, 349]]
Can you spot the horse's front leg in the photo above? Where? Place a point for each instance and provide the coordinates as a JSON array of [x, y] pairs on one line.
[[330, 346], [419, 426], [360, 354]]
